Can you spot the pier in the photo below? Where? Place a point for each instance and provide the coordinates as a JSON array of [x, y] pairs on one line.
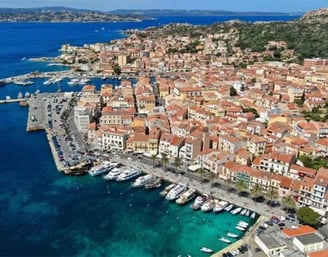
[[17, 100], [37, 118]]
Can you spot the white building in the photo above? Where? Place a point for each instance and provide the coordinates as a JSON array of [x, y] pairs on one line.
[[114, 139], [82, 118]]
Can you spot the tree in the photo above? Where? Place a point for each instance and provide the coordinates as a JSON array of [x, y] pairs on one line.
[[177, 163], [117, 69], [256, 191], [153, 158], [288, 203], [241, 186], [165, 160], [233, 91], [308, 216], [272, 194]]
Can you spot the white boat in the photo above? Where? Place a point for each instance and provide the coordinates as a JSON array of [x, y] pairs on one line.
[[128, 174], [73, 82], [206, 250], [225, 240], [199, 201], [243, 211], [232, 235], [175, 192], [240, 228], [242, 224], [113, 174], [219, 206], [141, 181], [186, 196], [229, 207], [100, 168], [208, 205], [167, 189], [155, 183], [253, 215], [247, 213], [236, 210]]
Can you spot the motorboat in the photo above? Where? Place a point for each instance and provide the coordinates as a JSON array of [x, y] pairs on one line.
[[253, 215], [236, 210], [247, 213], [225, 240], [113, 174], [243, 212], [240, 228], [167, 189], [128, 174], [141, 181], [100, 168], [206, 250], [199, 201], [186, 196], [175, 192], [243, 224], [208, 205], [220, 205], [155, 183], [232, 235], [229, 207]]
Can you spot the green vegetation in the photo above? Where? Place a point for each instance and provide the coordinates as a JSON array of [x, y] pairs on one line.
[[233, 91], [253, 110], [288, 203], [317, 114], [314, 162], [308, 216]]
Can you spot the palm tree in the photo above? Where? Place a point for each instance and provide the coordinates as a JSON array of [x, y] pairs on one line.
[[201, 171], [153, 158], [241, 186], [288, 202], [256, 191], [272, 194], [177, 163], [165, 160]]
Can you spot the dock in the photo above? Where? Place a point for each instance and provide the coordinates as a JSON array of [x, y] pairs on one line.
[[17, 100], [37, 117]]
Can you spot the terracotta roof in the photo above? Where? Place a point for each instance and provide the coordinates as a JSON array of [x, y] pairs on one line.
[[302, 230], [322, 253]]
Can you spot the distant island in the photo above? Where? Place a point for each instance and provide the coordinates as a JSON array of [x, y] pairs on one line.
[[63, 14]]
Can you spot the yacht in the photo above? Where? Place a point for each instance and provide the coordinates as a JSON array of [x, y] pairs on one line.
[[113, 174], [219, 206], [232, 235], [141, 181], [236, 210], [229, 207], [100, 168], [128, 174], [167, 189], [253, 215], [186, 196], [225, 240], [240, 228], [248, 212], [243, 212], [155, 183], [206, 250], [199, 201], [243, 223], [175, 192], [208, 205]]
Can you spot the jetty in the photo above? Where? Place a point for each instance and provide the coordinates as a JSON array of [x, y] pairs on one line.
[[16, 100], [37, 118]]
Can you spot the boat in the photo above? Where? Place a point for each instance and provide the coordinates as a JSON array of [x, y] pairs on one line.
[[167, 189], [206, 250], [155, 183], [128, 174], [225, 240], [247, 213], [242, 224], [232, 235], [219, 206], [199, 201], [186, 196], [113, 174], [240, 228], [243, 212], [175, 192], [73, 82], [100, 168], [229, 207], [236, 210], [141, 181], [208, 205], [253, 215]]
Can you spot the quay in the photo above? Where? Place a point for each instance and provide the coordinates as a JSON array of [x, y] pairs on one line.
[[17, 100], [37, 118]]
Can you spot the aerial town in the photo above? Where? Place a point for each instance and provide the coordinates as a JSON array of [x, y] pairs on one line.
[[258, 125]]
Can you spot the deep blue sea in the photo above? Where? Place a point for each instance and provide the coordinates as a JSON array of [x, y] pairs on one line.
[[45, 213]]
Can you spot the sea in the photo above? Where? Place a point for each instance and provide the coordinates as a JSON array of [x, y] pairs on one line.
[[45, 213]]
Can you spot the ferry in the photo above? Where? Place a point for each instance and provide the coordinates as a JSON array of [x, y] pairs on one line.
[[236, 210], [128, 174], [175, 192], [232, 235], [208, 205], [220, 205], [141, 181], [225, 240], [100, 168], [229, 207], [113, 174], [186, 196], [206, 250], [167, 189], [199, 201]]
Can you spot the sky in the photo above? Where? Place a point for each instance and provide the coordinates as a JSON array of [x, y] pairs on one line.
[[228, 5]]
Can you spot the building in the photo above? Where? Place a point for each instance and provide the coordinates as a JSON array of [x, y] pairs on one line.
[[82, 117], [114, 139]]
